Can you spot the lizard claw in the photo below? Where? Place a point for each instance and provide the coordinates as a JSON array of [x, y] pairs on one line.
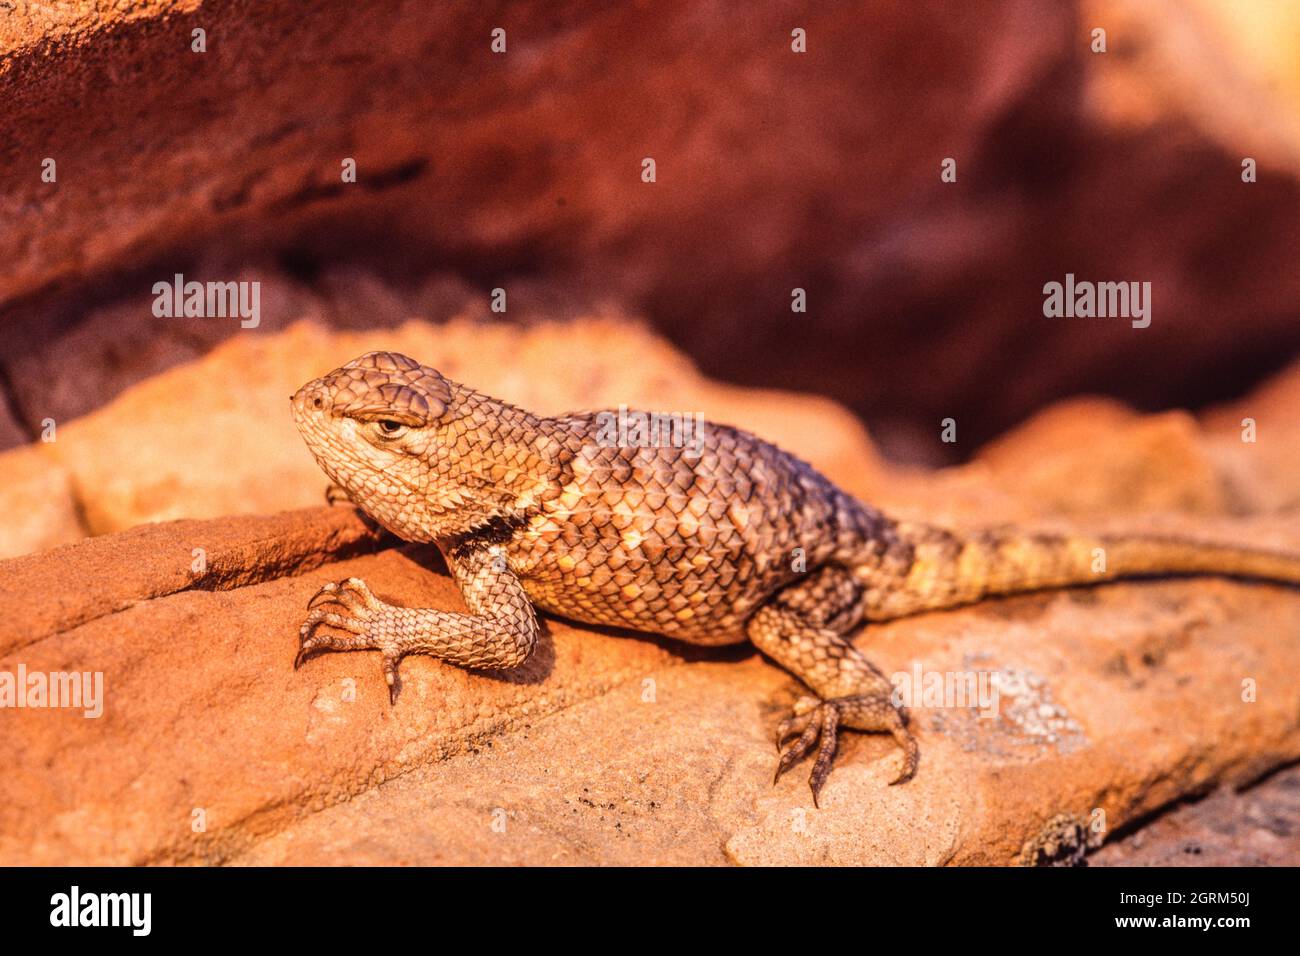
[[821, 721], [323, 594], [336, 494], [391, 660], [348, 606], [796, 722], [349, 593]]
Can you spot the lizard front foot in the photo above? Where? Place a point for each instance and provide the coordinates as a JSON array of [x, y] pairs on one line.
[[337, 494], [371, 625], [815, 719]]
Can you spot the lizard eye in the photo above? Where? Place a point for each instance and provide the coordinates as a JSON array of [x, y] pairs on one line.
[[389, 428]]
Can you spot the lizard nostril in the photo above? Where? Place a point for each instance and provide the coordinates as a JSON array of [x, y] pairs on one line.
[[311, 395]]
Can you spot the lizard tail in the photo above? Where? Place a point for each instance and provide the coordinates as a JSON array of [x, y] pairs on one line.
[[948, 570]]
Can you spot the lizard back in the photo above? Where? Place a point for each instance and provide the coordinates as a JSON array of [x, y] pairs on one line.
[[677, 541]]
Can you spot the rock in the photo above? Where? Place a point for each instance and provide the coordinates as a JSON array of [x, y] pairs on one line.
[[1255, 444], [214, 436], [522, 171], [1173, 65], [204, 712], [1148, 679], [39, 502], [11, 431], [117, 572], [121, 343], [608, 747], [1097, 457], [1255, 827]]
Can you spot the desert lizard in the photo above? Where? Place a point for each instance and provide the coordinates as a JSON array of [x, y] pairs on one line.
[[739, 541]]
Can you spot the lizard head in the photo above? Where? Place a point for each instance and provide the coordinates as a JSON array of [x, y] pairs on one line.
[[393, 433]]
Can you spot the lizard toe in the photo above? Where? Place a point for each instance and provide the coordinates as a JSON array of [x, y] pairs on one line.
[[327, 592], [808, 727], [336, 606], [793, 725], [820, 725], [336, 494], [391, 660], [816, 726], [877, 713]]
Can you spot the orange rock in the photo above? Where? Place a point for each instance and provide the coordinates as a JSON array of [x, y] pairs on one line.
[[214, 436], [604, 747]]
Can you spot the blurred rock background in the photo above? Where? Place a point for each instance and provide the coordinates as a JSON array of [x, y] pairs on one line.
[[775, 171]]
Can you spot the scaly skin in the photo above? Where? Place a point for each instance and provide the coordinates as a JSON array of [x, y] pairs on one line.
[[717, 543]]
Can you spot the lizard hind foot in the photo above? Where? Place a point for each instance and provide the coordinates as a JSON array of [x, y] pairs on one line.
[[816, 721]]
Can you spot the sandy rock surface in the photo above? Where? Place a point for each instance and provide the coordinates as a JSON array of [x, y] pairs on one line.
[[610, 747]]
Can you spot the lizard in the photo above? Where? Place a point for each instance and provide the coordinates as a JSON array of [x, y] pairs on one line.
[[717, 543]]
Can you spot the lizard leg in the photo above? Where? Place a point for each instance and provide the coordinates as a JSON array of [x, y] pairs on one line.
[[830, 597], [499, 631], [850, 691]]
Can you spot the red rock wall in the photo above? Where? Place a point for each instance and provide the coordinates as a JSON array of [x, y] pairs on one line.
[[775, 170]]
